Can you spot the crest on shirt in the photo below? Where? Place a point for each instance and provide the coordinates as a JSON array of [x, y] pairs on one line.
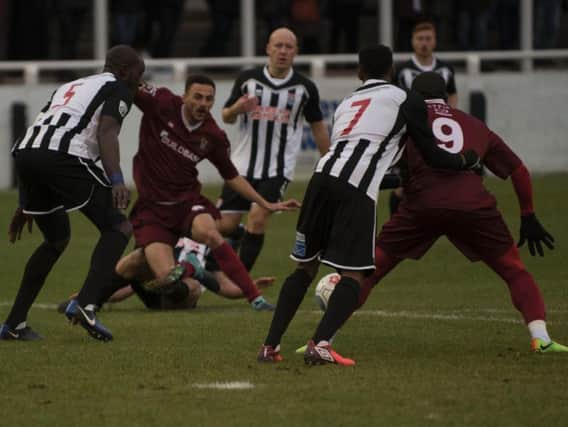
[[122, 109], [171, 125], [203, 144], [291, 98]]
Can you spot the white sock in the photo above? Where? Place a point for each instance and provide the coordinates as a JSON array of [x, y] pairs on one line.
[[91, 307], [21, 326], [537, 329]]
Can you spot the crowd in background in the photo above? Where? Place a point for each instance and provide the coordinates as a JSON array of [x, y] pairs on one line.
[[63, 29]]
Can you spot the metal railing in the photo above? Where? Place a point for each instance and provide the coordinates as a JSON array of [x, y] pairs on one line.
[[178, 67]]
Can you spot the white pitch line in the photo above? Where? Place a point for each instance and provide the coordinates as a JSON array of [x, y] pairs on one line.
[[463, 315], [226, 385]]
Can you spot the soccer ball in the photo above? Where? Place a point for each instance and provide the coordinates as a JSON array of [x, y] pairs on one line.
[[325, 288]]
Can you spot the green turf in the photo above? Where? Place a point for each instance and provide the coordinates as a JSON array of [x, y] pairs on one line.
[[437, 344]]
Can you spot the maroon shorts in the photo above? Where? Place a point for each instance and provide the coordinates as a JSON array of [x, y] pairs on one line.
[[154, 222], [477, 234]]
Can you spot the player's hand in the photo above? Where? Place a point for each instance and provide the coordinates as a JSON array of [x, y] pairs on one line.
[[471, 161], [287, 205], [120, 196], [17, 225], [264, 282], [533, 232], [246, 104]]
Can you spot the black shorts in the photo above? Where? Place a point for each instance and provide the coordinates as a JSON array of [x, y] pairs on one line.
[[50, 181], [478, 234], [272, 189], [336, 225]]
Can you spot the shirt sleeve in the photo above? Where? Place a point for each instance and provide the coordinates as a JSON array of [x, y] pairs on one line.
[[451, 85], [414, 111], [499, 158], [220, 156], [236, 91], [312, 111], [118, 102]]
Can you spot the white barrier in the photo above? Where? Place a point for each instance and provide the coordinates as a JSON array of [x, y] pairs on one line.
[[526, 109]]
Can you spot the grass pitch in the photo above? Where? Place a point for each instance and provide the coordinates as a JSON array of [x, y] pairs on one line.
[[439, 343]]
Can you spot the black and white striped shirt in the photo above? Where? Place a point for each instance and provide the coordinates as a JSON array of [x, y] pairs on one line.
[[366, 136], [407, 72], [271, 134], [69, 121]]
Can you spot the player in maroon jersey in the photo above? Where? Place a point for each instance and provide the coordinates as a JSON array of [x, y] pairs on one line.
[[457, 205], [176, 133]]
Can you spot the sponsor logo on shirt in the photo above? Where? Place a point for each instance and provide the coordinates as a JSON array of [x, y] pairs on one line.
[[272, 114], [165, 139], [203, 144]]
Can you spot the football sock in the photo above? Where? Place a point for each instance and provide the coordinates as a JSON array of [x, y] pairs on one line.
[[537, 329], [251, 246], [394, 201], [109, 248], [291, 295], [150, 299], [342, 303], [37, 268], [116, 283], [235, 237], [524, 291], [234, 268]]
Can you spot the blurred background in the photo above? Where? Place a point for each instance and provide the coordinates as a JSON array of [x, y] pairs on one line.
[[510, 56]]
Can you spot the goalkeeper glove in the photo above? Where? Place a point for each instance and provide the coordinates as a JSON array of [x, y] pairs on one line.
[[534, 233]]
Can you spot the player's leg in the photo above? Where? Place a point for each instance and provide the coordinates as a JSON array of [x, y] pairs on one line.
[[204, 230], [56, 233], [395, 198], [232, 207], [253, 238], [273, 190], [168, 273], [484, 235], [384, 264], [526, 297]]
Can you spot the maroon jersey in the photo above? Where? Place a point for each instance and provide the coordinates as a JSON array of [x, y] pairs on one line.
[[165, 167], [456, 131]]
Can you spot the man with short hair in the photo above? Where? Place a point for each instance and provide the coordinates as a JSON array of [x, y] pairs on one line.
[[456, 204], [55, 163], [176, 133], [270, 103], [336, 225]]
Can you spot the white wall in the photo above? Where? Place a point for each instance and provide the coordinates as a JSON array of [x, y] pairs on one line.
[[528, 111]]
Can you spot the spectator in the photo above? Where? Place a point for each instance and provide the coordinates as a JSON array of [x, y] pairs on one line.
[[305, 21], [546, 23], [124, 20], [473, 24], [70, 16]]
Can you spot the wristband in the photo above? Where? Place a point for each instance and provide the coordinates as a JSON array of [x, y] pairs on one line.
[[116, 178]]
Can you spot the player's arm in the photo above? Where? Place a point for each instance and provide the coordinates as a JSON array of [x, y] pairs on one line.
[[113, 112], [321, 136], [415, 114], [238, 102], [453, 100], [242, 186], [503, 162]]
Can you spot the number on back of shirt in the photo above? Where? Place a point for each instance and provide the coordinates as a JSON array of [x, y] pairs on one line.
[[449, 134]]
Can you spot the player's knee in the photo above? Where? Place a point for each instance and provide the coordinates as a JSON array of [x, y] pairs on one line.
[[308, 269], [58, 245], [212, 238], [124, 227]]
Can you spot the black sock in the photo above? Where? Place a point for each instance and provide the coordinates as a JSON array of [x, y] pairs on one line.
[[37, 268], [251, 246], [394, 201], [151, 300], [116, 283], [101, 274], [291, 296], [342, 303]]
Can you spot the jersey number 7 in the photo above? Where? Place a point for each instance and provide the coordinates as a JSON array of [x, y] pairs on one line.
[[362, 104]]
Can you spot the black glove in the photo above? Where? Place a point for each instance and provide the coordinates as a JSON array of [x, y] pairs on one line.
[[471, 161], [533, 232]]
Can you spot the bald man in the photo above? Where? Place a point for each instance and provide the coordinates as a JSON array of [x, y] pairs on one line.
[[55, 162], [270, 103]]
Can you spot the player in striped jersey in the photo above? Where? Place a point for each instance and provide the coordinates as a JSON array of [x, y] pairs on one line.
[[55, 163], [270, 103], [337, 220]]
